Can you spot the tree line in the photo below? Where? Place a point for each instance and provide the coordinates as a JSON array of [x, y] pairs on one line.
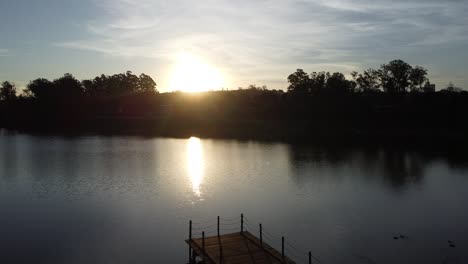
[[68, 87], [395, 77], [390, 101]]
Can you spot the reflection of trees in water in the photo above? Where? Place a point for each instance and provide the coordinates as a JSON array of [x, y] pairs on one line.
[[9, 160], [319, 154], [397, 167], [400, 168]]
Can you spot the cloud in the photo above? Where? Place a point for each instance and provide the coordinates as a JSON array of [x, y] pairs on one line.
[[4, 53], [267, 38]]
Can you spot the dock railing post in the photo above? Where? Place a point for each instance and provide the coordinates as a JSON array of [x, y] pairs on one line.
[[282, 246], [310, 257], [261, 235], [190, 241], [218, 226], [242, 223], [203, 246], [220, 252]]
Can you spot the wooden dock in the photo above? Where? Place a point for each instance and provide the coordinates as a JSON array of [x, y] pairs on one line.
[[233, 247]]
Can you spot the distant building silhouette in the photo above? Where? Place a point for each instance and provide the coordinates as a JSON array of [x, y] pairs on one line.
[[429, 87]]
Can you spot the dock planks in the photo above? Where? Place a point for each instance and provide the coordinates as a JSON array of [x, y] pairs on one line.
[[236, 248]]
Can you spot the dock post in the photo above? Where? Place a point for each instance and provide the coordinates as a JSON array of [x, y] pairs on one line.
[[203, 246], [261, 235], [220, 253], [310, 257], [282, 246], [190, 241], [242, 223], [218, 225], [190, 229]]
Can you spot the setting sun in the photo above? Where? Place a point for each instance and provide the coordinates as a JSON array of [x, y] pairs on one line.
[[193, 74]]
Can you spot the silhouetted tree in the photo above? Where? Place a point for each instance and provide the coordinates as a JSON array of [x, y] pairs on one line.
[[129, 83], [417, 78], [450, 87], [318, 81], [337, 83], [368, 81], [395, 76], [87, 85], [7, 91], [119, 84], [254, 87], [146, 84], [68, 86], [41, 89], [97, 86], [299, 82]]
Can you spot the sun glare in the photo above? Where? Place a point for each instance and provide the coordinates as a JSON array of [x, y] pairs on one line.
[[195, 164], [192, 74]]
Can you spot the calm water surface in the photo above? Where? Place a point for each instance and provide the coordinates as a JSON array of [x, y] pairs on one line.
[[129, 199]]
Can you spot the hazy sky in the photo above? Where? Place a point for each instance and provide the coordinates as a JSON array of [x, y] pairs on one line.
[[249, 41]]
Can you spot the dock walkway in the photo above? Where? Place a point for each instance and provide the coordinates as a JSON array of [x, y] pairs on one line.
[[237, 247]]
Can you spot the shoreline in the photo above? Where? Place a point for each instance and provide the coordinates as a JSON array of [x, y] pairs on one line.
[[264, 130]]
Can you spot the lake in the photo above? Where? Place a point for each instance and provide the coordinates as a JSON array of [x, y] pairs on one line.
[[117, 199]]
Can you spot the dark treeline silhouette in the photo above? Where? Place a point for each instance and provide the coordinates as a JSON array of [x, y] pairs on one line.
[[396, 77], [69, 88], [395, 103]]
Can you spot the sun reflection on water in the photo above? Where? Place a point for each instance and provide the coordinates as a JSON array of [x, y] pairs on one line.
[[195, 166]]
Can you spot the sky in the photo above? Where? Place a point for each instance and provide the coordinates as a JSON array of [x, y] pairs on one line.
[[248, 42]]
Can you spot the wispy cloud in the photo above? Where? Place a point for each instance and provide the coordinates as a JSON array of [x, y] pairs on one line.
[[267, 38], [4, 53]]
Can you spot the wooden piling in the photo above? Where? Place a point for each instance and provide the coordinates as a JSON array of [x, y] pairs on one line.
[[242, 223], [261, 235], [190, 239], [282, 246], [203, 247]]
